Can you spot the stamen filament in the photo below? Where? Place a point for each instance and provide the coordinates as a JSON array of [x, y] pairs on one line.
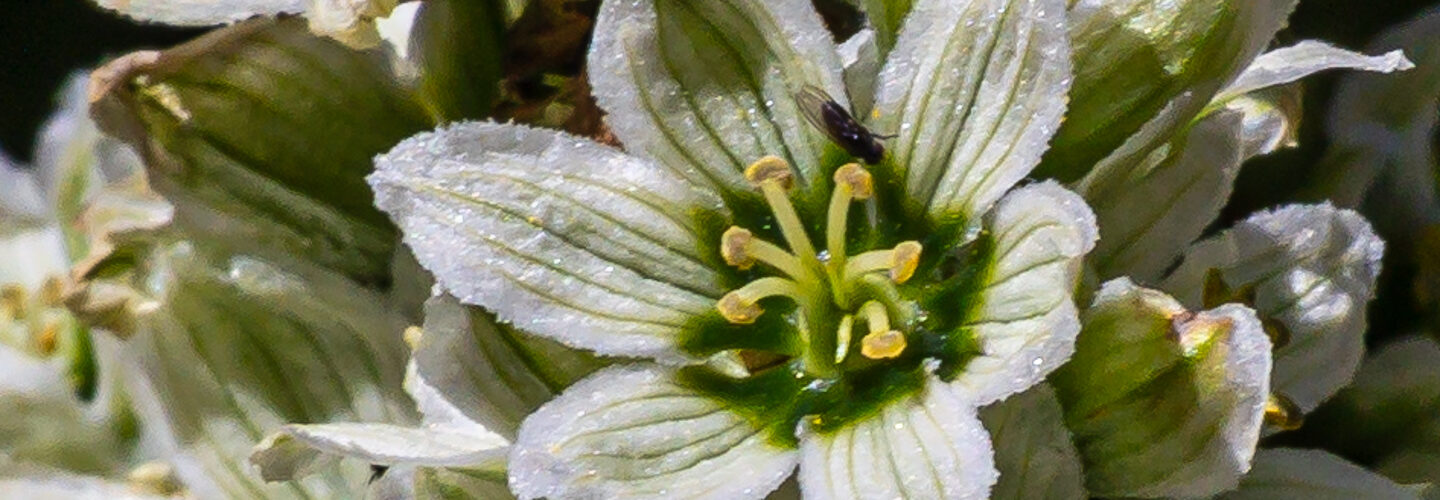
[[900, 261], [742, 306], [788, 220], [842, 338], [875, 314], [778, 258]]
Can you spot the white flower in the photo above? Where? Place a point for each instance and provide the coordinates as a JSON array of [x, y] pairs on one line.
[[801, 310]]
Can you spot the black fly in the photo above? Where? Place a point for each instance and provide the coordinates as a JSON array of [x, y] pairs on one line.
[[824, 113]]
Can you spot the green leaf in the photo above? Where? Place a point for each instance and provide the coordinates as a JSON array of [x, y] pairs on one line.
[[1162, 401], [459, 45], [264, 123], [1135, 58]]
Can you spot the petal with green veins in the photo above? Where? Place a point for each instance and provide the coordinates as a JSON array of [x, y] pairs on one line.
[[862, 60], [1145, 68], [1026, 319], [974, 91], [634, 431], [929, 445], [1290, 64], [229, 347], [58, 486], [462, 483], [1162, 401], [259, 124], [1313, 269], [563, 237], [294, 449], [1033, 451], [1295, 474], [1168, 201], [492, 373], [706, 88]]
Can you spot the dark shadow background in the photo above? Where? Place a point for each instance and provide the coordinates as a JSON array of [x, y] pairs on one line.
[[42, 42]]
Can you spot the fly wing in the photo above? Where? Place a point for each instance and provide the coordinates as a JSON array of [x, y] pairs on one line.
[[812, 102]]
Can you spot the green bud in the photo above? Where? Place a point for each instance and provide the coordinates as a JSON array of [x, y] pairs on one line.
[[1163, 401], [261, 134]]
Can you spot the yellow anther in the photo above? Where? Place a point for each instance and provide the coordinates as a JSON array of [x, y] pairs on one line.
[[857, 179], [742, 306], [904, 261], [49, 338], [770, 168], [734, 247], [52, 292], [154, 478], [412, 336], [883, 345], [12, 300], [735, 309], [1282, 413]]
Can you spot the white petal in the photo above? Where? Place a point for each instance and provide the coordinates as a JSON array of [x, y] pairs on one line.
[[1033, 451], [706, 88], [974, 90], [1293, 474], [1163, 402], [1290, 64], [634, 432], [1146, 68], [563, 237], [1147, 222], [930, 445], [31, 255], [861, 57], [22, 202], [289, 453], [65, 487], [201, 12], [493, 374], [231, 347], [1027, 321], [1314, 269]]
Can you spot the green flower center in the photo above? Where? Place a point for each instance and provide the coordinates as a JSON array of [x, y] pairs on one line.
[[857, 289]]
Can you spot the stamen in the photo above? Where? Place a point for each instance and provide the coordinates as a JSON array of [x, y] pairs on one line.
[[774, 178], [12, 300], [900, 261], [49, 338], [842, 338], [852, 183], [742, 306], [52, 292], [770, 168], [884, 345], [740, 248], [881, 342], [1282, 413]]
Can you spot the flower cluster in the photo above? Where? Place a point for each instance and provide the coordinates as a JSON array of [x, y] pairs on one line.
[[966, 253]]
